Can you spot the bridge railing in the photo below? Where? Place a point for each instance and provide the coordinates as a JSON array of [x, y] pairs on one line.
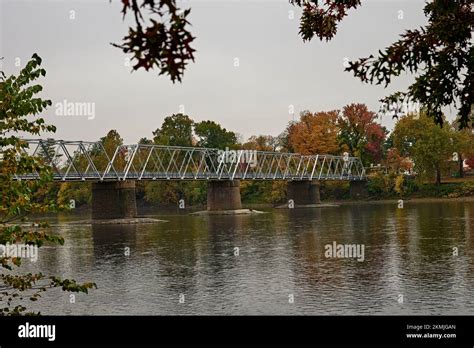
[[97, 161]]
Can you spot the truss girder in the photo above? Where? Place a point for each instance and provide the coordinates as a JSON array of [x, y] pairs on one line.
[[93, 161]]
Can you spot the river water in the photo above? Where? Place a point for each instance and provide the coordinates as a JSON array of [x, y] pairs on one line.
[[417, 260]]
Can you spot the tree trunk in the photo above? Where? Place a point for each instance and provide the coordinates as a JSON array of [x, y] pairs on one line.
[[461, 171], [438, 177]]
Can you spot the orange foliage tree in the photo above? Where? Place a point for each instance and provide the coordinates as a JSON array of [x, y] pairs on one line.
[[314, 133], [397, 163], [360, 132]]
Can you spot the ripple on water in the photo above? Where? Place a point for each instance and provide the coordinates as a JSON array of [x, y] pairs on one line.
[[407, 254]]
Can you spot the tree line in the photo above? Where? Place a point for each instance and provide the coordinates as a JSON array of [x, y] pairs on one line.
[[416, 149]]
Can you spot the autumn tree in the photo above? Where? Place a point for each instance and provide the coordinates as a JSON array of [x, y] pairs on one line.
[[470, 161], [262, 143], [440, 53], [314, 133], [104, 151], [160, 41], [464, 143], [321, 17], [110, 142], [266, 191], [360, 133], [143, 151], [397, 163], [100, 153], [19, 110]]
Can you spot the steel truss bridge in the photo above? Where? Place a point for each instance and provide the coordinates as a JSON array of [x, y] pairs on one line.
[[95, 161]]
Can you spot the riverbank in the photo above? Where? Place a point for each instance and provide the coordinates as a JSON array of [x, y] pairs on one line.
[[346, 202], [406, 200]]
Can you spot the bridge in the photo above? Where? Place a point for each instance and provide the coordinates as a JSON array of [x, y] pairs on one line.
[[114, 171]]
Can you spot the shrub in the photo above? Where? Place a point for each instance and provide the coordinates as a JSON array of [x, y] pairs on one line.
[[334, 190], [400, 184], [465, 189], [433, 190], [411, 186], [381, 185], [80, 192], [170, 192]]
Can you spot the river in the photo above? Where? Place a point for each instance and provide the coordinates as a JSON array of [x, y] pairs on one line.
[[417, 260]]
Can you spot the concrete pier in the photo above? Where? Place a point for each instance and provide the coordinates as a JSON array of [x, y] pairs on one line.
[[358, 189], [304, 192], [113, 200], [223, 195]]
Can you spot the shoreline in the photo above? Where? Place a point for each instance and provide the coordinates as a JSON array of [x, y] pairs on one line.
[[467, 199]]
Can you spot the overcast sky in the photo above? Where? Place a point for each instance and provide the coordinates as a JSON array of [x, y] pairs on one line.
[[276, 69]]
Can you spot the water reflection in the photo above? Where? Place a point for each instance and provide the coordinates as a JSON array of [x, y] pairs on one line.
[[251, 264]]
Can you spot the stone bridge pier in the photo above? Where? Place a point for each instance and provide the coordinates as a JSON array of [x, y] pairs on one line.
[[358, 189], [223, 195], [114, 200], [304, 192], [117, 200]]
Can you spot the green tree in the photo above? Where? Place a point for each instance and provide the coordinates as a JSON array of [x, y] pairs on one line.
[[430, 146], [212, 135], [145, 141], [176, 130], [47, 153], [433, 152], [170, 192], [80, 192], [18, 106]]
